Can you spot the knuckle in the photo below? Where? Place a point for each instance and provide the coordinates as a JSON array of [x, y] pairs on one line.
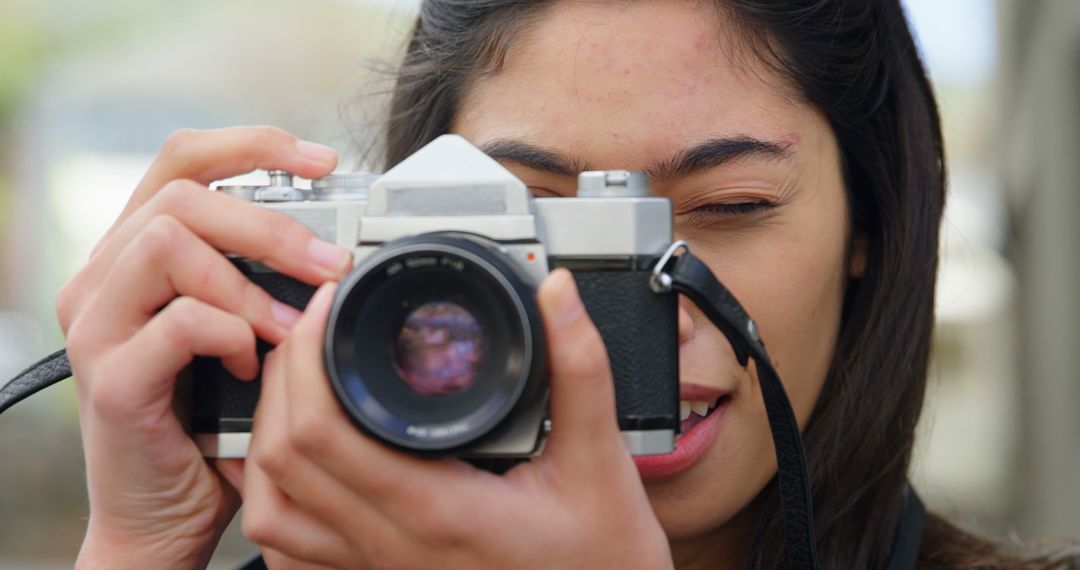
[[175, 196], [65, 303], [102, 396], [308, 432], [178, 143], [257, 298], [266, 136], [181, 320], [257, 524], [75, 339], [274, 463], [84, 345], [207, 273], [285, 233], [159, 236]]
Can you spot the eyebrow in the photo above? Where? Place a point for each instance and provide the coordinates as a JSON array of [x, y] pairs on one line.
[[715, 152], [709, 154], [539, 158]]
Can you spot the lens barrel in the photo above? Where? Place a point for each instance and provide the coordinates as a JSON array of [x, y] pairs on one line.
[[433, 341]]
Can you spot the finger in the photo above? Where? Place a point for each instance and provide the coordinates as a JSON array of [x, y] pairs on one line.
[[165, 260], [226, 224], [232, 470], [272, 520], [395, 483], [185, 328], [267, 449], [206, 156], [275, 560], [302, 481], [239, 227], [583, 420]]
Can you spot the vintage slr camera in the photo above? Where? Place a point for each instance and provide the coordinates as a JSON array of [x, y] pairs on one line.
[[434, 344]]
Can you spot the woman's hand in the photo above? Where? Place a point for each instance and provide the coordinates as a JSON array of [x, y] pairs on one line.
[[156, 292], [317, 491]]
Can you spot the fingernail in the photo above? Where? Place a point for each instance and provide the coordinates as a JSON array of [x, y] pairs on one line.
[[328, 255], [323, 296], [315, 152], [567, 304], [284, 314]]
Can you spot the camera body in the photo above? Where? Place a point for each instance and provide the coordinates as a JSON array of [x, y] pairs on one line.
[[434, 344]]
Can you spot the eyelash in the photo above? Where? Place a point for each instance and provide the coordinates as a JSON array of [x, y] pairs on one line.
[[733, 210], [719, 210]]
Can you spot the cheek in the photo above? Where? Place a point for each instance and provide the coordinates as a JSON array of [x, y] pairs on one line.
[[792, 285], [790, 278], [798, 313]]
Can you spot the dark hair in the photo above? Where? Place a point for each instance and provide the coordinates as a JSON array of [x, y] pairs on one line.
[[855, 61]]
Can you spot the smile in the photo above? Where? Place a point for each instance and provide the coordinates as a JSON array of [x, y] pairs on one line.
[[700, 423]]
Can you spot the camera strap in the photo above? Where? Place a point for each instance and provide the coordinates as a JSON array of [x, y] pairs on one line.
[[38, 376], [688, 275]]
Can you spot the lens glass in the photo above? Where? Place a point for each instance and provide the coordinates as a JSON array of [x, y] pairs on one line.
[[439, 349], [432, 344]]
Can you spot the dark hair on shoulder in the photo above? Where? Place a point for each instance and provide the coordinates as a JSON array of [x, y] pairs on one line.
[[855, 60]]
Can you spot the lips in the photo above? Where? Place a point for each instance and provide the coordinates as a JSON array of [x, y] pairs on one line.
[[702, 410]]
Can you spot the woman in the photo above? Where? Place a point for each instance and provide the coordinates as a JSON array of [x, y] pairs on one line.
[[800, 146]]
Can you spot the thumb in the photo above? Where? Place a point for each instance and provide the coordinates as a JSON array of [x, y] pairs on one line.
[[584, 427]]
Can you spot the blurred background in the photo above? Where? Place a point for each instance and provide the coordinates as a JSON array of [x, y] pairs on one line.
[[89, 91]]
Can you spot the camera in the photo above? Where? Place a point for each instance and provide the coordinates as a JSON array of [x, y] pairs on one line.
[[434, 344]]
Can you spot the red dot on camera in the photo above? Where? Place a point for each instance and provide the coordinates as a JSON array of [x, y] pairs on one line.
[[531, 256]]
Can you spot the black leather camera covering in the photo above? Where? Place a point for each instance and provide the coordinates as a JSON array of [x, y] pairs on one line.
[[221, 402], [639, 329], [641, 333]]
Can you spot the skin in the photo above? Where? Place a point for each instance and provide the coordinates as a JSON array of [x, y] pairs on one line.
[[154, 501], [317, 492], [631, 104]]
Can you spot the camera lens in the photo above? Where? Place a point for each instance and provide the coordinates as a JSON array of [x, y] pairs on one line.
[[439, 349], [433, 341]]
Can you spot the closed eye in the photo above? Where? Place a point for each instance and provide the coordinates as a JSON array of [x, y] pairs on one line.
[[733, 210]]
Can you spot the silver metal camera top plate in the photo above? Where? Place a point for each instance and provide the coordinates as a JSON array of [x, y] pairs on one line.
[[343, 186], [613, 184], [337, 222], [585, 227], [269, 194]]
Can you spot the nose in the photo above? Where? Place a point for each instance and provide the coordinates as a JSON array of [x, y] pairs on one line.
[[686, 324]]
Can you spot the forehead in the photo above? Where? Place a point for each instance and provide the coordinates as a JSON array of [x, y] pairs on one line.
[[628, 81]]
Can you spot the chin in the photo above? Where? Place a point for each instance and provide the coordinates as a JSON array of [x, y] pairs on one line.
[[696, 503], [717, 490]]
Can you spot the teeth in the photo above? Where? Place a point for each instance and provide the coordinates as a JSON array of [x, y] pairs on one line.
[[699, 407]]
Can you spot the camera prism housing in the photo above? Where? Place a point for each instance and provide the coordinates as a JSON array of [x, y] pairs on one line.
[[434, 344]]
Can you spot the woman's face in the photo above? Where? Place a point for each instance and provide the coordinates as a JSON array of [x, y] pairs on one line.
[[755, 181]]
